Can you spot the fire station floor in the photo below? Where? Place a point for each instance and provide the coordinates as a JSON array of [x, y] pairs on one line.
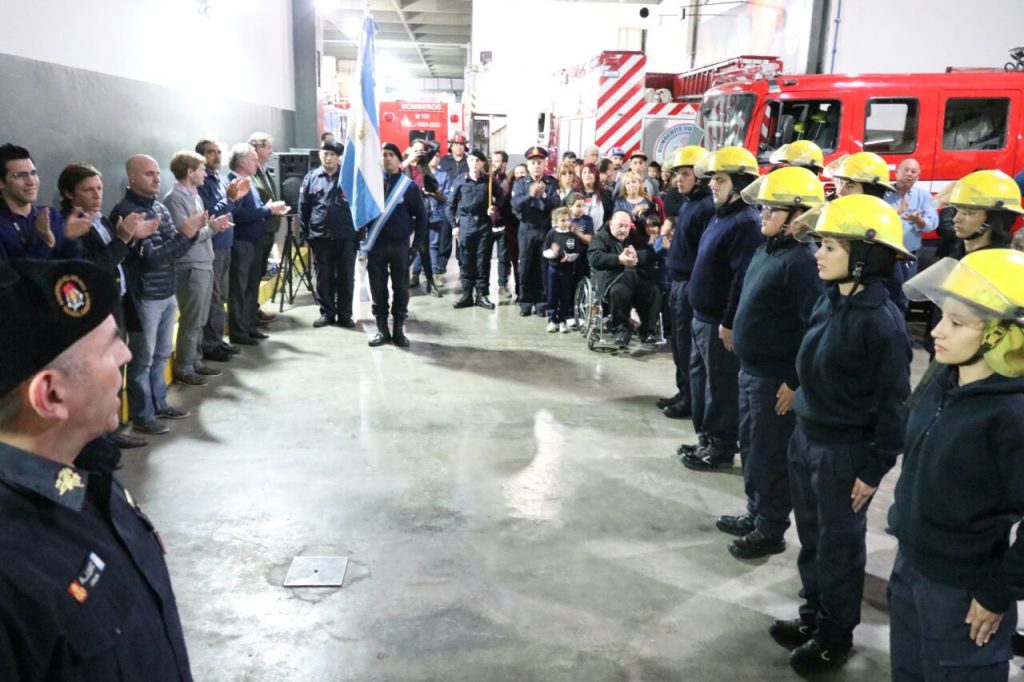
[[510, 503]]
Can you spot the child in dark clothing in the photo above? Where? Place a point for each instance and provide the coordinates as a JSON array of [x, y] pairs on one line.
[[581, 224], [561, 249]]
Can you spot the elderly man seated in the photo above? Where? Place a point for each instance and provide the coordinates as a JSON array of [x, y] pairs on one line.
[[624, 268]]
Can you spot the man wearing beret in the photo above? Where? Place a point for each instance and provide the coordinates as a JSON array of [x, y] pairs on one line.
[[325, 221], [533, 199], [84, 590], [389, 256], [470, 209]]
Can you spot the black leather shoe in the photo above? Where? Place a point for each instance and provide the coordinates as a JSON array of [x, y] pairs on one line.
[[244, 341], [811, 657], [712, 457], [483, 302], [649, 339], [465, 301], [755, 545], [622, 340], [680, 410], [736, 525], [232, 350], [126, 441], [398, 335], [257, 334], [218, 354], [346, 322], [323, 321], [791, 633], [690, 448], [524, 312], [665, 402]]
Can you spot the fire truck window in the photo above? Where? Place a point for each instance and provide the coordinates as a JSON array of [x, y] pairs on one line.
[[975, 124], [891, 126], [785, 122], [723, 121]]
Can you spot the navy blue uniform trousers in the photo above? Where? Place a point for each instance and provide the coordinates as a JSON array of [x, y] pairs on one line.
[[764, 444], [714, 390], [832, 550], [681, 322], [928, 638]]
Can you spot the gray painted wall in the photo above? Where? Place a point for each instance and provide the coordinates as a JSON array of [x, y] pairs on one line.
[[63, 115]]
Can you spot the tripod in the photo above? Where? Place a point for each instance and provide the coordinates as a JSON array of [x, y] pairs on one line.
[[290, 255]]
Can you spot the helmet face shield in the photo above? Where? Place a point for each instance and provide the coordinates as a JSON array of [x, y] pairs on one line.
[[804, 228], [956, 287], [860, 217], [800, 153]]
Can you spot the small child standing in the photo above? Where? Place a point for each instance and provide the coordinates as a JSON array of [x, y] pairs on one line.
[[561, 249], [581, 224], [659, 236]]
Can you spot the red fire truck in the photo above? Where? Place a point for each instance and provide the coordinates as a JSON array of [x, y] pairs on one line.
[[612, 101], [402, 122], [952, 123]]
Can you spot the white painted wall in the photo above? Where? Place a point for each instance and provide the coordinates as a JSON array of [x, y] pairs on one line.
[[167, 42], [887, 36]]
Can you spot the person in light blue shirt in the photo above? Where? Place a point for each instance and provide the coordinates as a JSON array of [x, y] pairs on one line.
[[914, 204]]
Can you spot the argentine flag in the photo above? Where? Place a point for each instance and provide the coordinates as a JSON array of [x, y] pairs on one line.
[[362, 177]]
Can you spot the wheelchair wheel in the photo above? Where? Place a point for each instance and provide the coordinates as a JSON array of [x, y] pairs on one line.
[[582, 306]]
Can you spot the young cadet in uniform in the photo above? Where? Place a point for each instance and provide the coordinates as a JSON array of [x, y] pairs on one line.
[[723, 254], [389, 257], [84, 590], [780, 289], [957, 578], [696, 210], [854, 371], [987, 204], [533, 199], [470, 213]]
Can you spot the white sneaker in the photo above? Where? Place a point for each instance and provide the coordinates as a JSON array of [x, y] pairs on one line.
[[564, 328], [552, 327]]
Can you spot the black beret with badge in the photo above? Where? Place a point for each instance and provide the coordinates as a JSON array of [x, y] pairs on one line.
[[476, 153], [46, 306]]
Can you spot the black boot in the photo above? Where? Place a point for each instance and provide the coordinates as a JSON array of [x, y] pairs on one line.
[[755, 545], [792, 633], [736, 525], [814, 657], [466, 301], [398, 334], [483, 302], [665, 402], [678, 410], [713, 457], [383, 336]]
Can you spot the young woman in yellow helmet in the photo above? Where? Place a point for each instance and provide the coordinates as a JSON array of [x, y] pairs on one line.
[[987, 203], [854, 371], [780, 289], [957, 577]]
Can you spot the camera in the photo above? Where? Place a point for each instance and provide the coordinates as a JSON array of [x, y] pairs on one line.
[[431, 148]]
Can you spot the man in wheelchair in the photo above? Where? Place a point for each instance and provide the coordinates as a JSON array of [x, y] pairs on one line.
[[623, 267]]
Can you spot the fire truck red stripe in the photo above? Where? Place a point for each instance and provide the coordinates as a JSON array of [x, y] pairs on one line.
[[624, 97], [630, 117], [626, 74], [628, 137]]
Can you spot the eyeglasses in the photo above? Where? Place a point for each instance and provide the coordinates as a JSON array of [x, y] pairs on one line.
[[771, 209], [25, 175]]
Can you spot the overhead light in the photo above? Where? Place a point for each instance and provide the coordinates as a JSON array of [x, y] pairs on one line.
[[327, 6], [351, 26]]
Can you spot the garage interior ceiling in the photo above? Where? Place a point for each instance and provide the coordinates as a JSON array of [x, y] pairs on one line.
[[428, 38]]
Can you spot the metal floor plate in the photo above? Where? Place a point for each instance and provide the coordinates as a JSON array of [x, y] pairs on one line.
[[316, 571]]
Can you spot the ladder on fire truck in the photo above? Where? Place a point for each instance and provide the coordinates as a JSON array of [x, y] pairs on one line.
[[696, 82]]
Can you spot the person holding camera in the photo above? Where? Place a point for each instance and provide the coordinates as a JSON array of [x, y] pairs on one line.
[[420, 164]]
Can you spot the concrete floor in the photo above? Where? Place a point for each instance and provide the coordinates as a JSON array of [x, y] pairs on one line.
[[510, 503]]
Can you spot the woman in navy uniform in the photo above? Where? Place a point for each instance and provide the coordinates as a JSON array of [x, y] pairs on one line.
[[957, 577], [854, 371], [84, 590]]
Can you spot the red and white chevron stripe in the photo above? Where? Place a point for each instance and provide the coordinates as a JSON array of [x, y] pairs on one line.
[[620, 101]]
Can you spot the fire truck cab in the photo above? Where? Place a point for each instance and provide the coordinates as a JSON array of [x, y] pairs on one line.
[[952, 123]]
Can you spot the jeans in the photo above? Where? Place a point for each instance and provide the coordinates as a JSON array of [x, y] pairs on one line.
[[444, 246], [928, 638], [386, 261], [764, 441], [192, 290], [213, 330], [714, 388], [151, 348], [434, 236], [832, 549], [559, 293]]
